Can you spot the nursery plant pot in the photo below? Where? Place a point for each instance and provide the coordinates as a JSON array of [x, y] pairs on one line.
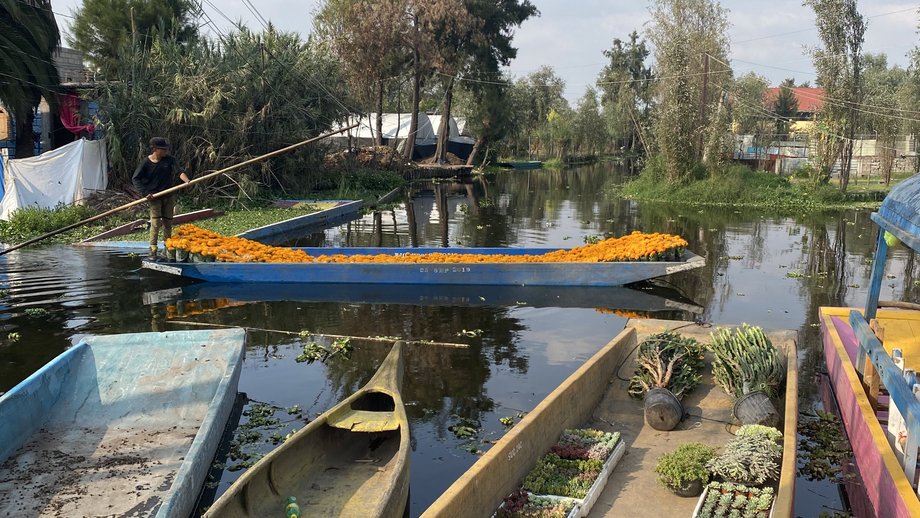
[[692, 488], [663, 411], [756, 408], [182, 255]]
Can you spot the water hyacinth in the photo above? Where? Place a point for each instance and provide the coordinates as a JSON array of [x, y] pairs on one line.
[[636, 246]]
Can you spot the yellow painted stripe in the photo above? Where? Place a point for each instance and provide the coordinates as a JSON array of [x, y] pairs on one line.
[[879, 437], [783, 506]]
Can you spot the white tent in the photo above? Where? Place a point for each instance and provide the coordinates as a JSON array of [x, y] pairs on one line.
[[61, 176], [395, 125]]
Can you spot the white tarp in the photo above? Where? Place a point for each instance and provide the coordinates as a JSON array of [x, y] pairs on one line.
[[395, 125], [64, 175]]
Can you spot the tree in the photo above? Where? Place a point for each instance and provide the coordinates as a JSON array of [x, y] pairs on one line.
[[838, 64], [537, 95], [626, 86], [105, 29], [691, 51], [785, 106], [28, 38], [366, 37], [222, 104], [748, 114], [884, 89], [484, 46], [589, 128]]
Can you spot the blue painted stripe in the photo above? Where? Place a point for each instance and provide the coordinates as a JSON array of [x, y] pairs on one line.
[[900, 393]]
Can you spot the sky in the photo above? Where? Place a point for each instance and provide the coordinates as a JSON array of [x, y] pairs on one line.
[[768, 38]]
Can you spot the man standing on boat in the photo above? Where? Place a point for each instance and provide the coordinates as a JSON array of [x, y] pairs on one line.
[[158, 172]]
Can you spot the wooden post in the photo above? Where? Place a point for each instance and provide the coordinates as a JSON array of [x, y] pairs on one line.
[[871, 379]]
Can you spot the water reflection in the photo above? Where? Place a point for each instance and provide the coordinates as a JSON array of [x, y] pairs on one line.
[[762, 268]]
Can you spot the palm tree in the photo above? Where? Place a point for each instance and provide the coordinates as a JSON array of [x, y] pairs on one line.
[[28, 38]]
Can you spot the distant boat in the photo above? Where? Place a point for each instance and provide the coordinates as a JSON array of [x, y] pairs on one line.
[[119, 425], [521, 164], [496, 274], [353, 460]]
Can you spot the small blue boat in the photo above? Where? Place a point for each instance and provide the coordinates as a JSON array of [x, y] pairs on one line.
[[119, 425], [494, 274]]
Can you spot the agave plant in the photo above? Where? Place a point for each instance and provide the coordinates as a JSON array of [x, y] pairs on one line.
[[667, 360], [745, 361]]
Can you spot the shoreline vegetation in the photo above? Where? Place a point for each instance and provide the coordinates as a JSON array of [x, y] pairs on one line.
[[739, 186]]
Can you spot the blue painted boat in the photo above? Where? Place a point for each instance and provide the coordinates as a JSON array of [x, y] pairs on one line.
[[119, 425], [495, 274], [521, 164]]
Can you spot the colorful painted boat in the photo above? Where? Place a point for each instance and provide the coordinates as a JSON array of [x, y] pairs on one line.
[[501, 274], [119, 425], [645, 299], [593, 396], [872, 359], [353, 460]]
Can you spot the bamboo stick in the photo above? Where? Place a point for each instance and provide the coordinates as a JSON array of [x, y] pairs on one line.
[[350, 337], [174, 189]]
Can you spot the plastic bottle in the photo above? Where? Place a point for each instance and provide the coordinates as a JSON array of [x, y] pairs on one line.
[[292, 510]]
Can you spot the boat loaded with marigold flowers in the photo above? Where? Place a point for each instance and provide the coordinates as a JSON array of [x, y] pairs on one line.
[[205, 255]]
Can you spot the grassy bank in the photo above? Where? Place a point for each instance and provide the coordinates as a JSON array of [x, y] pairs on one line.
[[739, 186], [31, 222]]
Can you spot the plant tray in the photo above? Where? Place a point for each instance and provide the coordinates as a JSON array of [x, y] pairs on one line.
[[702, 501], [575, 512], [598, 486]]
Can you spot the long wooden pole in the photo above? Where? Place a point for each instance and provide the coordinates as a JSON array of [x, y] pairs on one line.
[[174, 189]]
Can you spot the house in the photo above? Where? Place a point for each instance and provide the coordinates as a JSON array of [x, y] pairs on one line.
[[810, 100], [70, 121]]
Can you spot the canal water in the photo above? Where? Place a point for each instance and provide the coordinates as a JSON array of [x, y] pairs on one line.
[[772, 270]]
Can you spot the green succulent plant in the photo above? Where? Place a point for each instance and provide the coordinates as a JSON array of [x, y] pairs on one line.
[[684, 465]]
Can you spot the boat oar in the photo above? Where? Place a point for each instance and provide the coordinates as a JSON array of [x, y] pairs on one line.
[[175, 189], [357, 338]]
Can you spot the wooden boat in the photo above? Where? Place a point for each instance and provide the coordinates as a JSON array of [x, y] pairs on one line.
[[521, 164], [872, 356], [353, 460], [648, 299], [594, 396], [503, 274], [119, 425]]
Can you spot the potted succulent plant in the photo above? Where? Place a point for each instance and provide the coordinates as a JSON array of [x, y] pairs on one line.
[[751, 457], [668, 366], [684, 471], [749, 368]]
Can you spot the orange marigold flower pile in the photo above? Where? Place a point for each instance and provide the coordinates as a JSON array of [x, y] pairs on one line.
[[636, 246]]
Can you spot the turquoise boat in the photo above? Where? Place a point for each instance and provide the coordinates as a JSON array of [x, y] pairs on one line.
[[119, 425]]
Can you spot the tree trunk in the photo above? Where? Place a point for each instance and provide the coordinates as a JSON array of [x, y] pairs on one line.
[[475, 151], [847, 162], [416, 94], [440, 154], [25, 142], [378, 134]]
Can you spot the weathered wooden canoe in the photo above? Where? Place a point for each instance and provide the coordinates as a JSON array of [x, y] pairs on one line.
[[646, 299], [353, 460], [514, 274], [119, 425], [594, 396]]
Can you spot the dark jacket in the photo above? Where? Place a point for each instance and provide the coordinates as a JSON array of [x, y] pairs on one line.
[[151, 178]]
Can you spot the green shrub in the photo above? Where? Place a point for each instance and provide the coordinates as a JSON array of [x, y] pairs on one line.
[[29, 222], [685, 464]]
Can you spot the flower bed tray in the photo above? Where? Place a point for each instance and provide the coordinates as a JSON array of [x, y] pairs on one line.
[[700, 504], [598, 487], [575, 512]]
